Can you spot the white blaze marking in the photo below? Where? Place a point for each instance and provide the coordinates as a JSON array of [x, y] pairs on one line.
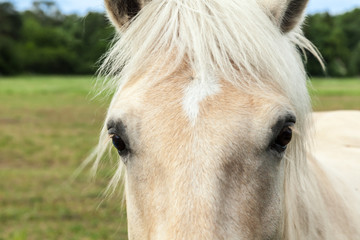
[[196, 92]]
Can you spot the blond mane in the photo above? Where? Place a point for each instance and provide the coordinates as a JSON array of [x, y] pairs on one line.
[[237, 41]]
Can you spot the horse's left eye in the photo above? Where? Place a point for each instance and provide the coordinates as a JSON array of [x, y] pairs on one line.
[[283, 139], [120, 145]]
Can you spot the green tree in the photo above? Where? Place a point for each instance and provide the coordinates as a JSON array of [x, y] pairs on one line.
[[9, 33], [96, 35], [45, 48], [337, 37], [350, 24]]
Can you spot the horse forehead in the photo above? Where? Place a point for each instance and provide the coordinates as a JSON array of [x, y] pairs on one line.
[[197, 91], [190, 100], [180, 105]]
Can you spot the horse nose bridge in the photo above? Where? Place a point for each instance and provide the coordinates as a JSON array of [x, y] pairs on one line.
[[192, 215]]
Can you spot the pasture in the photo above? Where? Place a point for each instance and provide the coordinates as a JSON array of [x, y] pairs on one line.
[[48, 125]]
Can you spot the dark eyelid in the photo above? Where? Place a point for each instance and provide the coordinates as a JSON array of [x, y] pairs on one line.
[[110, 124], [284, 121], [290, 118], [112, 131], [118, 128]]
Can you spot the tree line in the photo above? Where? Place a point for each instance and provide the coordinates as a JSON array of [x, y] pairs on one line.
[[42, 40], [338, 40]]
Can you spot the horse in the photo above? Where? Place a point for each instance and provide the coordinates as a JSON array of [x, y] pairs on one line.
[[211, 119]]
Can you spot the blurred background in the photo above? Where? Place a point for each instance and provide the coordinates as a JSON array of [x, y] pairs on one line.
[[49, 52]]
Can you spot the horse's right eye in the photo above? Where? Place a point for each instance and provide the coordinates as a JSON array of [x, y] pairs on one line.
[[120, 145], [282, 133], [283, 139]]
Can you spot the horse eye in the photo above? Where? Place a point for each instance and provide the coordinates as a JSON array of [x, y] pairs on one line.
[[120, 145], [283, 139]]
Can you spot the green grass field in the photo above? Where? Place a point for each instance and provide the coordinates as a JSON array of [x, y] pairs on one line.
[[335, 94], [48, 125]]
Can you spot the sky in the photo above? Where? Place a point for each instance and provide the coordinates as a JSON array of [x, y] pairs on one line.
[[83, 6]]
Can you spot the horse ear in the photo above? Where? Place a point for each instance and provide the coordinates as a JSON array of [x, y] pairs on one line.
[[287, 14], [120, 12]]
